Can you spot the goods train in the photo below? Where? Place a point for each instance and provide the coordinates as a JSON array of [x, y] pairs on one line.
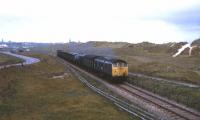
[[115, 69]]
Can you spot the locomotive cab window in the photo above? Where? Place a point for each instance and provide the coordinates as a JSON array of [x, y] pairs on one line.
[[114, 65], [119, 64], [123, 64]]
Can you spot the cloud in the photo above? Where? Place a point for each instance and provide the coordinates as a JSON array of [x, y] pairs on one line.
[[186, 20], [186, 17], [111, 20]]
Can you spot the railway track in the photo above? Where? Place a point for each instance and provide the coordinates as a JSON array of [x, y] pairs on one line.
[[175, 111], [158, 106], [131, 109], [120, 103]]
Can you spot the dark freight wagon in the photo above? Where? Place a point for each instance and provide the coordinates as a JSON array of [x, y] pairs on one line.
[[67, 56], [88, 61]]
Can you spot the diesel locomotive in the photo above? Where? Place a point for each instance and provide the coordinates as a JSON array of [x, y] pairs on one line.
[[116, 69]]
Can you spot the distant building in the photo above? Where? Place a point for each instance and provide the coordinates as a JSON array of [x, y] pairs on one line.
[[3, 46]]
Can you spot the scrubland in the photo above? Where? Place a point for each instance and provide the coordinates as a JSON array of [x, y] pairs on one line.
[[33, 92]]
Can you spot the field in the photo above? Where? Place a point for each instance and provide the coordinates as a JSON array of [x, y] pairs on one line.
[[6, 59], [48, 91], [153, 60]]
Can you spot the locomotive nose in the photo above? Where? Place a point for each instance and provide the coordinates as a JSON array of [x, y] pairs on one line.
[[124, 74]]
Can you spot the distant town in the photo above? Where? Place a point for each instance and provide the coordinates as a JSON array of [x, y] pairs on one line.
[[18, 46]]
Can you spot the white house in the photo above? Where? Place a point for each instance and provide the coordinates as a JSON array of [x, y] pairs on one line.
[[3, 46]]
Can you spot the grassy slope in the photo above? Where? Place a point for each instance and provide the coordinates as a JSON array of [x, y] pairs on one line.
[[6, 59], [33, 94], [182, 68]]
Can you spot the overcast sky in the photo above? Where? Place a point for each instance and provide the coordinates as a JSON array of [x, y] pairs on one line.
[[134, 21]]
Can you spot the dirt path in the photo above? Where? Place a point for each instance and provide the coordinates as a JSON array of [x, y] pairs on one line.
[[27, 60], [166, 80]]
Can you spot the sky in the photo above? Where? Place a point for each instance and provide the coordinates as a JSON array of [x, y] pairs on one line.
[[134, 21]]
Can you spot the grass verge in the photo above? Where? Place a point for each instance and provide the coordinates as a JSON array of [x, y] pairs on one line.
[[184, 95]]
